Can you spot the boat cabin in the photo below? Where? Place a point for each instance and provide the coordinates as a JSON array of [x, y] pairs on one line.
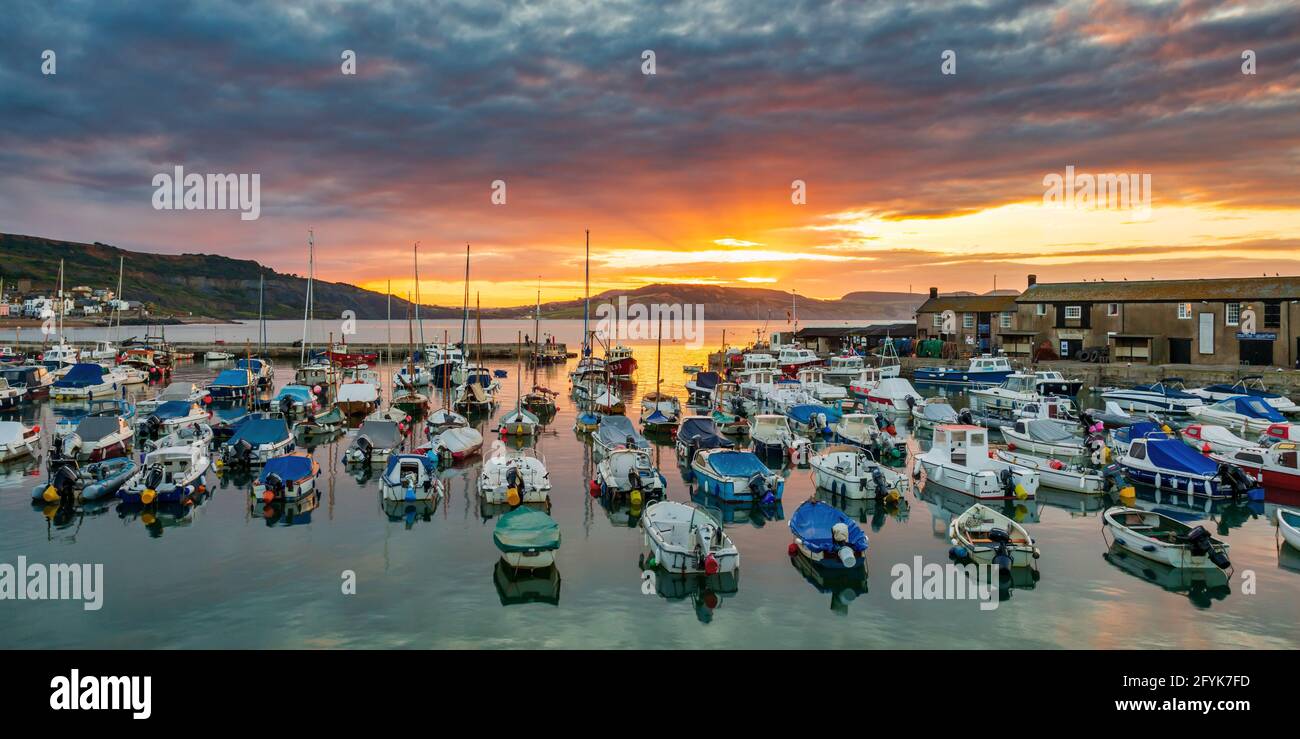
[[759, 361], [846, 365], [989, 363], [961, 443]]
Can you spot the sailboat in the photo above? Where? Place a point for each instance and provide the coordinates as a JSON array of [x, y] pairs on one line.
[[520, 421], [583, 376], [660, 412], [475, 394], [313, 371], [62, 354], [413, 403], [540, 400]]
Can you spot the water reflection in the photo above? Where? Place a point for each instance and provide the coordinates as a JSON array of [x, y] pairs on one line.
[[705, 592], [517, 587], [843, 584], [158, 517], [286, 512], [1201, 586]]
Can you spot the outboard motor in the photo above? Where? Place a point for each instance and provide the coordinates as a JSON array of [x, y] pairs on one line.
[[1201, 544], [365, 447], [275, 485], [149, 427], [514, 479], [634, 480], [64, 481], [70, 445], [153, 476], [1002, 553], [911, 402], [761, 490], [966, 417], [286, 405], [1235, 478], [878, 478], [241, 452], [1008, 481]]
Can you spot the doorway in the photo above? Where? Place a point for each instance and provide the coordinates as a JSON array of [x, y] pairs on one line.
[[1180, 351], [1256, 352]]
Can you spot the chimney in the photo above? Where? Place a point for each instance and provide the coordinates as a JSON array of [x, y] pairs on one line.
[[934, 292], [1033, 280]]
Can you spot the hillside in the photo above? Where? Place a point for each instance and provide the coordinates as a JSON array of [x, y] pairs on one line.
[[224, 288]]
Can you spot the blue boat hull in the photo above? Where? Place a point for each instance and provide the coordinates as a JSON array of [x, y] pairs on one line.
[[1178, 483], [728, 490], [949, 376]]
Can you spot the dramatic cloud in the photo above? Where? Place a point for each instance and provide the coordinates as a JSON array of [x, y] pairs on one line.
[[911, 175]]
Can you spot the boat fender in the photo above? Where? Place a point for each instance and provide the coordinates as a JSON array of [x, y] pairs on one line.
[[1056, 464], [512, 496], [792, 550], [711, 564], [958, 553], [595, 489], [1021, 493], [846, 555]]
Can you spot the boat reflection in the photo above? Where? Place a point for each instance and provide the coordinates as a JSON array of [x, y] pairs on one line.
[[730, 513], [1201, 586], [843, 584], [944, 503], [286, 513], [1081, 505], [409, 512], [1226, 514], [706, 592], [516, 587], [869, 510], [158, 517]]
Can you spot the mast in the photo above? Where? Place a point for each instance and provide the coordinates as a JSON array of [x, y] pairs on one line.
[[537, 320], [519, 386], [306, 306], [117, 330], [418, 320], [464, 321], [389, 324], [586, 300], [659, 357], [261, 317]]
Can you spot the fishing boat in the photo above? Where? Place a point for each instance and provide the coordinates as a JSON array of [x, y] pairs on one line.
[[700, 387], [792, 359], [375, 442], [1207, 438], [813, 380], [617, 432], [1164, 396], [696, 433], [167, 475], [259, 438], [295, 401], [1164, 462], [959, 460], [1252, 386], [1288, 525], [1007, 397], [1060, 475], [933, 412], [514, 476], [985, 536], [98, 436], [10, 397], [771, 434], [890, 395], [844, 367], [1045, 436], [826, 536], [456, 443], [527, 538], [60, 355], [735, 477], [18, 440], [357, 399], [813, 421], [9, 356], [1240, 413], [216, 355], [33, 380], [620, 363], [685, 539], [169, 417], [629, 472], [985, 370], [186, 392], [1052, 382], [318, 372], [340, 355], [291, 477], [1164, 539], [872, 433], [1276, 466], [232, 386], [410, 477], [851, 472], [86, 381]]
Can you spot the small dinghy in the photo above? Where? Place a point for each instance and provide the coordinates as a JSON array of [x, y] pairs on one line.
[[527, 538], [514, 476], [933, 412], [257, 440], [410, 477], [814, 421], [97, 480], [376, 440], [984, 536], [736, 477], [851, 472], [1288, 525], [295, 400], [617, 432], [1044, 436], [1074, 477], [290, 477], [827, 536], [686, 539], [1164, 539], [1206, 438], [168, 475], [519, 422], [696, 433], [457, 443], [18, 440], [629, 472]]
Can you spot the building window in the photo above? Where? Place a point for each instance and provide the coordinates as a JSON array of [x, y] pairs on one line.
[[1073, 312], [1006, 320], [968, 320], [1273, 314], [1184, 310], [1112, 309], [1232, 313], [938, 320], [1040, 309]]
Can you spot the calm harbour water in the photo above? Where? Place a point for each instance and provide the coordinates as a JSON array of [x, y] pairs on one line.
[[226, 576]]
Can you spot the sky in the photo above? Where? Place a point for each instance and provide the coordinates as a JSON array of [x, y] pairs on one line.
[[911, 177]]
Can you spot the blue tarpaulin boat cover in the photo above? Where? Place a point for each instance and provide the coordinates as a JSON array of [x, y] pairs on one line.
[[253, 365], [1254, 408], [289, 467], [706, 380], [737, 464], [804, 413], [297, 392], [1138, 431], [82, 375], [258, 431], [1176, 456], [525, 529], [232, 378], [174, 409], [617, 430], [703, 433], [395, 461], [812, 523]]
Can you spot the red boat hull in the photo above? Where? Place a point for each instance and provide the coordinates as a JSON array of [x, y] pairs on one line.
[[625, 367], [351, 359], [1273, 479], [792, 370]]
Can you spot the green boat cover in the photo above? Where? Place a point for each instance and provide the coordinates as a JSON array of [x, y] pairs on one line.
[[524, 530]]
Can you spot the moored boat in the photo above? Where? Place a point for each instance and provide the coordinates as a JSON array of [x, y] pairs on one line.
[[1277, 467], [985, 536], [696, 433], [527, 538], [290, 477], [851, 472], [410, 477], [685, 539], [1288, 524], [826, 536], [86, 381], [17, 440], [1240, 413], [959, 460], [1164, 539], [1165, 462], [629, 472], [1163, 396], [514, 476], [983, 370], [167, 475], [1207, 438], [736, 476], [258, 439]]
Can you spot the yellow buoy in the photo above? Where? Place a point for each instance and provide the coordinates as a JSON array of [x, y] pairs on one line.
[[1128, 492], [1105, 455], [218, 464], [636, 498], [1021, 493], [148, 495], [893, 496], [50, 495], [512, 496], [148, 519]]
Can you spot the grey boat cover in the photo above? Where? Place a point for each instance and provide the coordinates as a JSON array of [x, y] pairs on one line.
[[618, 431], [1047, 430], [939, 412], [178, 391], [382, 434], [94, 428]]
